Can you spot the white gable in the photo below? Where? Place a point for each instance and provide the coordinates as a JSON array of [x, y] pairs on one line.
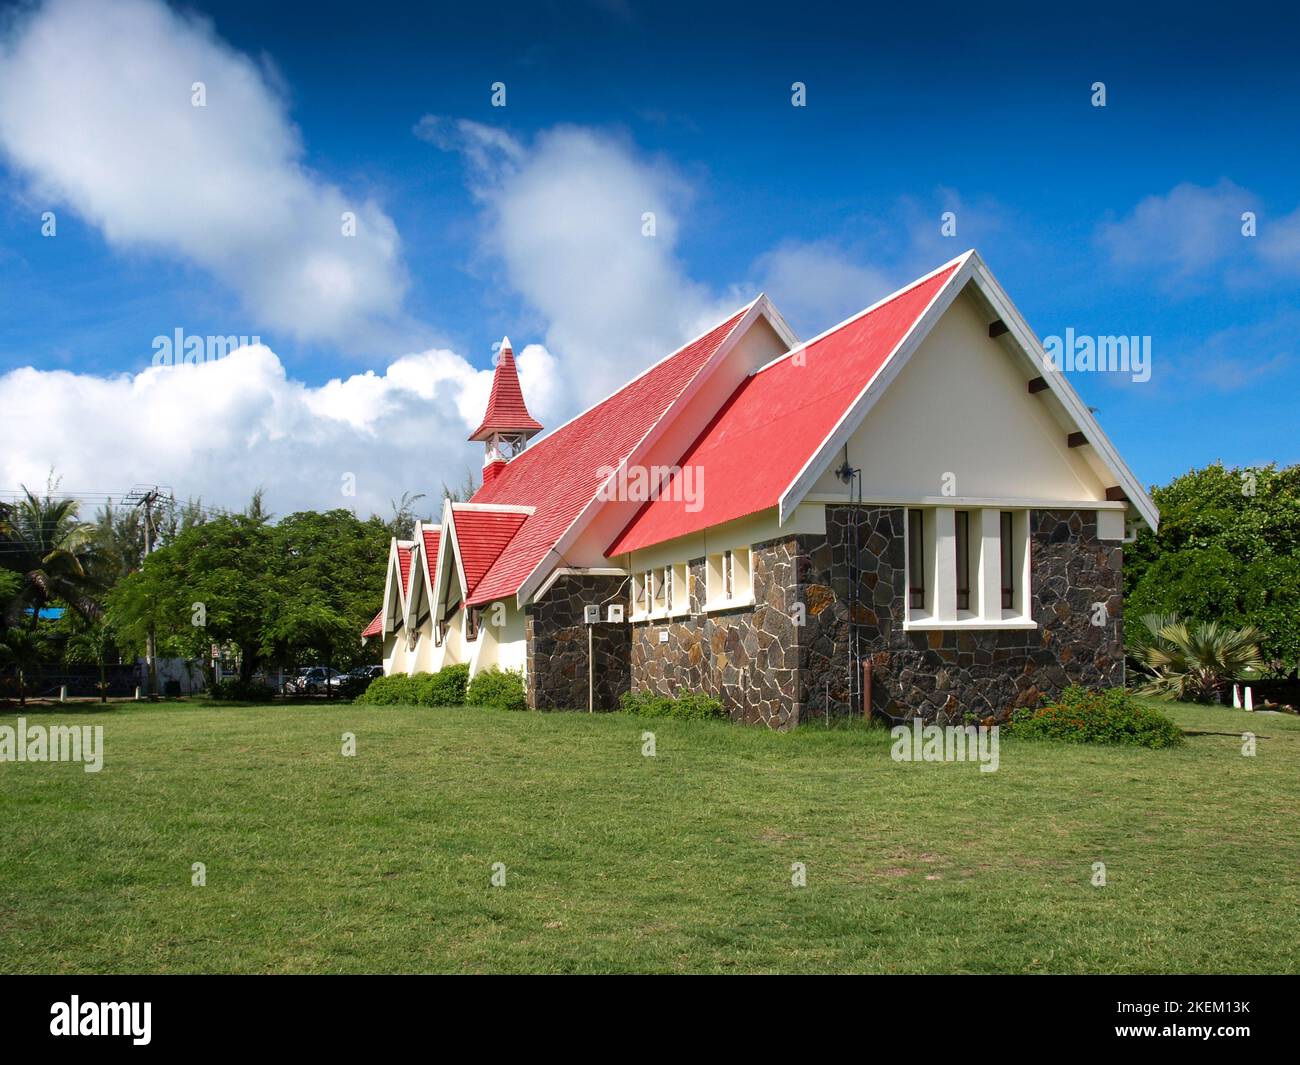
[[959, 420]]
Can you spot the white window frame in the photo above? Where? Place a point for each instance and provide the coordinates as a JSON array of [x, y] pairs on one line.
[[984, 560]]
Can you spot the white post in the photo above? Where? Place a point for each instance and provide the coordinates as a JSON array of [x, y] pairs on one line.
[[1236, 697], [1250, 698], [137, 693], [591, 675], [63, 693]]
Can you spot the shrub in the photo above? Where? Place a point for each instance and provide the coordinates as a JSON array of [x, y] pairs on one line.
[[497, 687], [1197, 661], [689, 706], [398, 689], [1082, 716], [444, 688], [240, 691]]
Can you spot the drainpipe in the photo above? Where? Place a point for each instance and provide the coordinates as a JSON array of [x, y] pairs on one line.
[[866, 688], [591, 674]]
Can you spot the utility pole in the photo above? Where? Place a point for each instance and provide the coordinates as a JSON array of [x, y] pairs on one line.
[[146, 497]]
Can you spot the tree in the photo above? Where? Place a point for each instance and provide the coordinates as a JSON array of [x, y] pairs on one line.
[[327, 567], [1228, 550], [23, 648], [53, 553], [1196, 661], [92, 641], [211, 584], [404, 517]]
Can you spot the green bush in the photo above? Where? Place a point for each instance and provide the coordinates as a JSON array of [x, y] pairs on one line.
[[252, 691], [395, 690], [498, 687], [1079, 715], [444, 688], [688, 706]]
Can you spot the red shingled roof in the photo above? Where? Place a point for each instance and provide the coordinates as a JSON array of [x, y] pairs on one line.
[[432, 534], [376, 625], [506, 411], [481, 535], [560, 474], [778, 418], [404, 566]]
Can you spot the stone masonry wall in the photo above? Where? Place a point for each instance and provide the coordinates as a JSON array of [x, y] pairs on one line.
[[747, 657], [557, 644], [946, 675]]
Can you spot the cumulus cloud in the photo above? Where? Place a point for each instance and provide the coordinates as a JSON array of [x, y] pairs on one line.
[[817, 284], [219, 429], [564, 215], [96, 113], [1182, 236]]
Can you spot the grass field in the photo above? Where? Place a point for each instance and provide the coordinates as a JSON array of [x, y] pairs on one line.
[[617, 862]]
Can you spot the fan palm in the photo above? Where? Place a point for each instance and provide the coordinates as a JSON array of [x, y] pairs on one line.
[[1195, 661]]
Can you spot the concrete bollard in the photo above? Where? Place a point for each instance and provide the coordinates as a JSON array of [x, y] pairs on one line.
[[137, 693], [1250, 698], [63, 693], [1236, 697]]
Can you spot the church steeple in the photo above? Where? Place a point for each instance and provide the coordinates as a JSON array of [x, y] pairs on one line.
[[507, 426]]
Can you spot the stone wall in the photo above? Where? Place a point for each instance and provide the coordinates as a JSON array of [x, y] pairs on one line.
[[557, 644], [766, 668], [747, 657], [946, 675]]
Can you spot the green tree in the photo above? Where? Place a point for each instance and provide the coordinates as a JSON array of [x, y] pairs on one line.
[[24, 649], [211, 584], [327, 567], [1228, 551], [1196, 661], [92, 641], [53, 553]]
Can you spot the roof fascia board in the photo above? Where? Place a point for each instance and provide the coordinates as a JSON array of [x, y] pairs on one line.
[[449, 524], [1029, 344]]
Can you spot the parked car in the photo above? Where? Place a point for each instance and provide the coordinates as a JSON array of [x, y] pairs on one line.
[[355, 681], [316, 679]]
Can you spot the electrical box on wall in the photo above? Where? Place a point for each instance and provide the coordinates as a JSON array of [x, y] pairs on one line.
[[591, 614], [615, 613]]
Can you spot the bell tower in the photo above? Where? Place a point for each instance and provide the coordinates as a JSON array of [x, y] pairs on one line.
[[507, 426]]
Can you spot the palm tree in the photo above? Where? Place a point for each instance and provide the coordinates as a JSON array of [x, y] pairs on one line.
[[1196, 661], [52, 552], [92, 643], [23, 648]]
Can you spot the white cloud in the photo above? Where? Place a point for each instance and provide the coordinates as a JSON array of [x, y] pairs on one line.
[[564, 217], [817, 284], [96, 113], [1183, 236], [222, 428]]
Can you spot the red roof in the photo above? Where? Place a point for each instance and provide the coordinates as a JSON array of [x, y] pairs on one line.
[[432, 534], [376, 625], [506, 412], [404, 566], [481, 535], [777, 419], [560, 474]]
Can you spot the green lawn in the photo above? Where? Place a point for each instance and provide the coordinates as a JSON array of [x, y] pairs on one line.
[[619, 862]]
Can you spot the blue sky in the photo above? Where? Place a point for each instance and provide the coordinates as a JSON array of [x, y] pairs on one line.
[[479, 220]]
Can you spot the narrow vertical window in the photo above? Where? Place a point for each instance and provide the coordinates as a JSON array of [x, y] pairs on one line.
[[726, 574], [962, 540], [668, 588], [1008, 562], [916, 559]]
